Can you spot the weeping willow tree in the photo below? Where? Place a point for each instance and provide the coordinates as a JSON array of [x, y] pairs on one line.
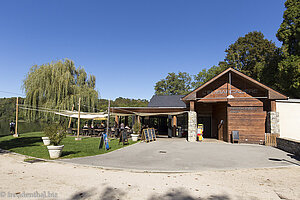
[[58, 85]]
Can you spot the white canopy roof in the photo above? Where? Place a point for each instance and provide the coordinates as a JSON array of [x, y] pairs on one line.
[[83, 115]]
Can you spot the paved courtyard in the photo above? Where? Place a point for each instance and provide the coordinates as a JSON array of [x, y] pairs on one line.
[[178, 155]]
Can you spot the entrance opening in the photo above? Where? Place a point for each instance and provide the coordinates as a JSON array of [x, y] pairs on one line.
[[206, 121], [165, 125]]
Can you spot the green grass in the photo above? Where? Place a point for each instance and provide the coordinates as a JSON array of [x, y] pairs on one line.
[[31, 144]]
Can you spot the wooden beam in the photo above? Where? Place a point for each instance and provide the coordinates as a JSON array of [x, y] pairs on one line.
[[192, 105], [273, 106], [117, 121], [78, 127], [174, 125], [138, 119]]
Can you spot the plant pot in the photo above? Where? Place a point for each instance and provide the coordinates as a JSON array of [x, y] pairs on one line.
[[55, 151], [134, 137], [46, 141]]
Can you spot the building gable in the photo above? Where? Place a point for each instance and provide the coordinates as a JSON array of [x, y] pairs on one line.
[[241, 86]]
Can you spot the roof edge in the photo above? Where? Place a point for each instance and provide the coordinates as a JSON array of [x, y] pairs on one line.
[[208, 82], [240, 74]]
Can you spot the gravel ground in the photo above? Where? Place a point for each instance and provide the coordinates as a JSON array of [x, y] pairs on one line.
[[57, 180]]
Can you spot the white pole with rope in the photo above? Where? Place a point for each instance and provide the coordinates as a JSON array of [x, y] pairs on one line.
[[16, 128]]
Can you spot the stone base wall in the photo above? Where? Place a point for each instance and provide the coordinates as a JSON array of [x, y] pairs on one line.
[[273, 123], [192, 126], [289, 145]]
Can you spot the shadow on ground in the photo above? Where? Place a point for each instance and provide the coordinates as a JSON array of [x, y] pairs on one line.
[[4, 135], [83, 194], [182, 194], [3, 151], [20, 142], [110, 193], [66, 153], [287, 161]]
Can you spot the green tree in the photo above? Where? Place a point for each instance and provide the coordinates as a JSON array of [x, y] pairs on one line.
[[58, 85], [289, 31], [289, 76], [288, 69], [249, 54], [270, 72], [174, 84]]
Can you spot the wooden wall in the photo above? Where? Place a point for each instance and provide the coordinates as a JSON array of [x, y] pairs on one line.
[[248, 117], [246, 112]]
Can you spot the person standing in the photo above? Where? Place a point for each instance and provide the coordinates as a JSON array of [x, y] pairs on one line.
[[12, 127]]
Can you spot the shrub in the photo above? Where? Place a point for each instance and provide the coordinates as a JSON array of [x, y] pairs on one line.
[[137, 127], [56, 133]]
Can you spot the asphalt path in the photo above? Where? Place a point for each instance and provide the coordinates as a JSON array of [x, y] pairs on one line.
[[178, 155]]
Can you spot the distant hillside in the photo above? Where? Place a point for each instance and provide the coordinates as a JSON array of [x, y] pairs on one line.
[[122, 102]]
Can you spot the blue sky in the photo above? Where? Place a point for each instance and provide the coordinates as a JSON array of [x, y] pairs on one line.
[[128, 45]]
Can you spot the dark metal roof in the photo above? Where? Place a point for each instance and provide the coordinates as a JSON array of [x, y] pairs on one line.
[[167, 101]]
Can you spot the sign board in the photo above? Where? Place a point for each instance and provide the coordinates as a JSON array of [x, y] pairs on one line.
[[148, 135], [152, 132]]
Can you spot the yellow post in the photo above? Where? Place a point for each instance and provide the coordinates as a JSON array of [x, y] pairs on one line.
[[16, 128], [78, 127]]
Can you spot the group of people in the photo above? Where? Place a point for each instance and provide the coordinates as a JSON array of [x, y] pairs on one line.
[[102, 125], [122, 127]]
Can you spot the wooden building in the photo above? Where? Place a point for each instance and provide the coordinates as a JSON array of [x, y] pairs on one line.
[[233, 101], [229, 102]]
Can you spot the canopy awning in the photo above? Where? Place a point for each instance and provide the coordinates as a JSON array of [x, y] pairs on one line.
[[83, 115]]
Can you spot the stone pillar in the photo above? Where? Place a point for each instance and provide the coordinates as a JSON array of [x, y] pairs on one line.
[[192, 126], [273, 123]]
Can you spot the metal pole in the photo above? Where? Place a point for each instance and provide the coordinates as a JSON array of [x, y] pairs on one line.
[[108, 112], [230, 96], [229, 83]]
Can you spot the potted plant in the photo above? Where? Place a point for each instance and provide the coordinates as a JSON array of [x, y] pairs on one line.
[[55, 133], [136, 131], [46, 141]]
